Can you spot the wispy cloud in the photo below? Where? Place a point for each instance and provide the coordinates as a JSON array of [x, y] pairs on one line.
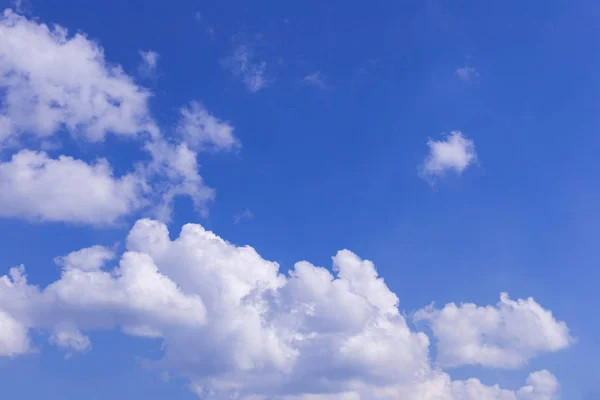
[[467, 74], [243, 216], [316, 79], [147, 67], [202, 20], [242, 63]]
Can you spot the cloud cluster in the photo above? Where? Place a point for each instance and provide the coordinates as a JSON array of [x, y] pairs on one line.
[[233, 324], [504, 336], [50, 82], [53, 83]]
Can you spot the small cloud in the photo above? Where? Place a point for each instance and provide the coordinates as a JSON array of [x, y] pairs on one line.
[[467, 74], [243, 64], [147, 67], [455, 153], [204, 132], [243, 216], [209, 29], [316, 79]]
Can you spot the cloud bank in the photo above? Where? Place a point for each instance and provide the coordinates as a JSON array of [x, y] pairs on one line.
[[233, 324]]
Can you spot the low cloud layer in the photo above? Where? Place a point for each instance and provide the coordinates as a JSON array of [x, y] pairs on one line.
[[310, 333]]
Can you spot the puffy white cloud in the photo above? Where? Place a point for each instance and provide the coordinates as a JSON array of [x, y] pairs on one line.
[[50, 81], [202, 131], [233, 325], [90, 258], [13, 336], [455, 153], [253, 73], [147, 67], [541, 385], [70, 339], [506, 335], [35, 186]]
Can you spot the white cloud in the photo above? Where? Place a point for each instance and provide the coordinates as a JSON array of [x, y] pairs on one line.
[[88, 259], [467, 74], [70, 339], [13, 336], [505, 336], [311, 334], [253, 73], [316, 79], [202, 131], [174, 172], [51, 81], [36, 187], [455, 153], [149, 63]]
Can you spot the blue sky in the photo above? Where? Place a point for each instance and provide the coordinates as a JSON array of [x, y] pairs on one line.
[[453, 145]]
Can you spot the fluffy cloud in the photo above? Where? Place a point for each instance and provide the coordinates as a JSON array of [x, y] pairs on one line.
[[504, 336], [50, 81], [13, 336], [310, 334], [37, 187], [202, 131], [455, 153]]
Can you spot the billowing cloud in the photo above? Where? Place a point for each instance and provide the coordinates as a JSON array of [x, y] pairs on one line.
[[50, 81], [233, 325], [202, 131], [36, 187], [13, 336], [506, 335], [455, 153]]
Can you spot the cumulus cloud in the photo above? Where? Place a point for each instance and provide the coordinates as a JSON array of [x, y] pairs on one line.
[[506, 335], [242, 63], [312, 333], [202, 131], [50, 81], [13, 336], [149, 63], [36, 187], [455, 153]]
